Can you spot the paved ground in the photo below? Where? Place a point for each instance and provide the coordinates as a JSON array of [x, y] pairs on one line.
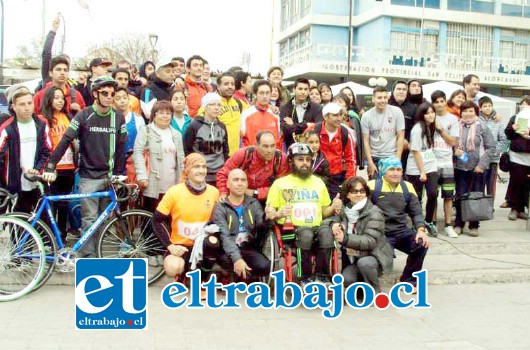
[[473, 307], [473, 316]]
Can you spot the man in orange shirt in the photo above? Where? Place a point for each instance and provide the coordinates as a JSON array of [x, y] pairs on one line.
[[259, 117], [194, 84], [190, 205]]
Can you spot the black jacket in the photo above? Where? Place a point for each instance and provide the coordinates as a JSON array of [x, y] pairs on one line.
[[10, 152], [313, 114], [159, 90], [102, 142], [518, 142], [225, 216], [409, 111]]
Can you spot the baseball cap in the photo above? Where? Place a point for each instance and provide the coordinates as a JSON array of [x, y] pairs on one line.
[[98, 61], [332, 108], [167, 64]]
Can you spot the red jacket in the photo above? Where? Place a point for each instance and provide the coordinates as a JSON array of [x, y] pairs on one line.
[[260, 173], [339, 159], [256, 119], [39, 96], [195, 93]]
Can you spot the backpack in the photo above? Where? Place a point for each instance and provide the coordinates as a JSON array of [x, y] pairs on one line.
[[378, 189], [249, 151], [343, 134], [239, 104]]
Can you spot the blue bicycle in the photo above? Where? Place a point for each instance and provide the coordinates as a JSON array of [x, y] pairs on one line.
[[127, 234]]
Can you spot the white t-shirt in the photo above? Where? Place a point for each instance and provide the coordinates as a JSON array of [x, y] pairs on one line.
[[442, 150], [168, 167], [331, 135], [383, 128], [418, 143], [28, 150]]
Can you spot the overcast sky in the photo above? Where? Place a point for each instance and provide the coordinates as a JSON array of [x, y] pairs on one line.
[[220, 31]]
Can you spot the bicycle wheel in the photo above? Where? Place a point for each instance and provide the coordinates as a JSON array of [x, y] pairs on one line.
[[50, 244], [139, 241], [22, 258]]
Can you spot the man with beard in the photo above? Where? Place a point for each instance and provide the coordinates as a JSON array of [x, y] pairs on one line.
[[301, 199], [415, 93]]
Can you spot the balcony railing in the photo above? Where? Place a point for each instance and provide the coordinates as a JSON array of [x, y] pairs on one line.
[[471, 63]]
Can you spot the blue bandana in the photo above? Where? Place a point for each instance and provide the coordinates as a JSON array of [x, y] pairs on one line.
[[387, 163]]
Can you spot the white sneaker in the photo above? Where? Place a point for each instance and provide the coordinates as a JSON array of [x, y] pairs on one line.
[[450, 232], [152, 261]]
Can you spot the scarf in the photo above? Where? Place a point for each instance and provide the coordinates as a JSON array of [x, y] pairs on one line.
[[196, 190], [353, 213], [472, 125]]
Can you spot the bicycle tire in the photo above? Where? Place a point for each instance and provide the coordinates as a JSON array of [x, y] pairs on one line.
[[271, 250], [50, 244], [22, 258], [112, 241]]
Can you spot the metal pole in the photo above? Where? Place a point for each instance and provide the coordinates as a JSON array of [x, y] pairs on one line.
[[421, 31], [2, 43], [64, 32], [349, 40]]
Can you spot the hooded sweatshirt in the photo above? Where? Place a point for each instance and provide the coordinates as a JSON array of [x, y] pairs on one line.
[[209, 139]]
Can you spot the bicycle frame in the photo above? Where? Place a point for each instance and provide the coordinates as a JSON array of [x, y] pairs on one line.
[[45, 204]]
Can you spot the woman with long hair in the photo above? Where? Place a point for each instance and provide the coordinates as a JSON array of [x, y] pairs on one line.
[[325, 93], [54, 110], [422, 170]]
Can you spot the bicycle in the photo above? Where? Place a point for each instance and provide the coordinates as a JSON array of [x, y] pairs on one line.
[[22, 258], [126, 234]]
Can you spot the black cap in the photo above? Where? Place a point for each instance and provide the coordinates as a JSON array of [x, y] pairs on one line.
[[98, 61]]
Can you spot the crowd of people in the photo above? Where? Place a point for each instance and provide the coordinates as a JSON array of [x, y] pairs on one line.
[[246, 155]]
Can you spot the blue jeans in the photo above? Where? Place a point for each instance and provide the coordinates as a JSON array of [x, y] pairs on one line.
[[90, 209]]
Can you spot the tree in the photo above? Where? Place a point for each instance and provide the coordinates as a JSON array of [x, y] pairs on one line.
[[133, 47]]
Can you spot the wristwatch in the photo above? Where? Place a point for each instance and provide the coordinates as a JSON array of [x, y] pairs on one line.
[[255, 193]]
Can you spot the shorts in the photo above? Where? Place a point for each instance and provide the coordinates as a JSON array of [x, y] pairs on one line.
[[446, 182]]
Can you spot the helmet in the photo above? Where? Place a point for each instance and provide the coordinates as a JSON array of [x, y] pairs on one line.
[[102, 81], [298, 148]]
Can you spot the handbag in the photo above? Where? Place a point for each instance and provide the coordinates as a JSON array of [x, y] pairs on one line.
[[504, 163], [476, 206]]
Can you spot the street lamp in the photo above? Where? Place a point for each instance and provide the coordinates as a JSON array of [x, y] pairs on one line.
[[153, 39], [2, 43]]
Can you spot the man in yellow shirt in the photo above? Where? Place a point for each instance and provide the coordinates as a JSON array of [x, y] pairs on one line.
[[302, 199]]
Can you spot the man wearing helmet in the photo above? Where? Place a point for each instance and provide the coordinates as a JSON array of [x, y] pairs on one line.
[[102, 135], [302, 199]]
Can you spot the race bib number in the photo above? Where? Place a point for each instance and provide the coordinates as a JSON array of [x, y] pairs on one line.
[[68, 157], [304, 212], [427, 154], [190, 230]]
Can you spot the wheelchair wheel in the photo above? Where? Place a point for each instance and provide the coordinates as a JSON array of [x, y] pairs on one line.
[[22, 258], [132, 236], [271, 250], [50, 244]]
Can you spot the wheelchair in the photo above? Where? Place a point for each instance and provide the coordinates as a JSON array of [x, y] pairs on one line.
[[280, 248]]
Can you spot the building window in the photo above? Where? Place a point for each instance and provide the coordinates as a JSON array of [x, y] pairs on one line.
[[514, 52], [283, 49], [516, 8], [433, 4], [304, 38], [412, 45], [305, 8], [284, 15], [467, 45], [481, 6]]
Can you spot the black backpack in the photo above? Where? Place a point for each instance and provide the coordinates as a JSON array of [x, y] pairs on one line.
[[343, 134], [379, 186]]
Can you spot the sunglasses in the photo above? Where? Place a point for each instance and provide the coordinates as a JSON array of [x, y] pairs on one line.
[[361, 191], [107, 93]]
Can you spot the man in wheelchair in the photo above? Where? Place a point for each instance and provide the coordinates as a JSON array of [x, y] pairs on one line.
[[299, 202]]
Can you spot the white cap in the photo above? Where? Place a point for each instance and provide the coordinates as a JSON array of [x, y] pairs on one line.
[[331, 108], [209, 98]]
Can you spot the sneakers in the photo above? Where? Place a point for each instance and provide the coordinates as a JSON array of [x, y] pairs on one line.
[[523, 216], [513, 215], [452, 233], [431, 227], [323, 279], [306, 281], [457, 230], [73, 235], [505, 205], [473, 232]]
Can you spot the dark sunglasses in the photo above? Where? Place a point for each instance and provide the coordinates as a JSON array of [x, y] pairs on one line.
[[107, 93]]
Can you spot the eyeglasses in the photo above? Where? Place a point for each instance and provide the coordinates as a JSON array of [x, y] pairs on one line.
[[361, 191], [107, 93]]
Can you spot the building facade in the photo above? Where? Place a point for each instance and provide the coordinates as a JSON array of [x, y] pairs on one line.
[[427, 39]]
